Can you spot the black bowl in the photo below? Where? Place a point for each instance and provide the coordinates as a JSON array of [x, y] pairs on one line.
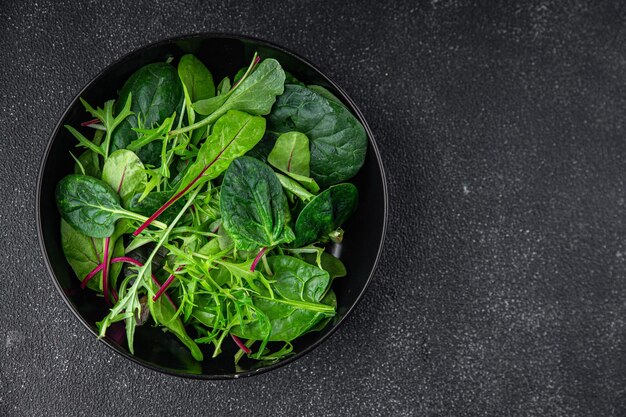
[[224, 55]]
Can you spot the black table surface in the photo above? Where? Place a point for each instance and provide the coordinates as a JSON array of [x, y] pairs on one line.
[[502, 288]]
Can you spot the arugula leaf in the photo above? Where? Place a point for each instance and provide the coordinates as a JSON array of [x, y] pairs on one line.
[[105, 115]]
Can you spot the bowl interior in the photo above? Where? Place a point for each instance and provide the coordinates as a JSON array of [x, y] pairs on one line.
[[223, 55]]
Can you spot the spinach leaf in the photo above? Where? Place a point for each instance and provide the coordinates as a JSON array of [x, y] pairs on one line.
[[325, 93], [291, 155], [296, 307], [156, 93], [196, 78], [328, 263], [338, 140], [325, 213], [253, 205], [91, 206], [124, 173]]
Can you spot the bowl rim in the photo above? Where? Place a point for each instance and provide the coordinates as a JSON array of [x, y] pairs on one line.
[[166, 41]]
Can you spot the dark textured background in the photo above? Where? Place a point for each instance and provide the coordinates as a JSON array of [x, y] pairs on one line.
[[502, 288]]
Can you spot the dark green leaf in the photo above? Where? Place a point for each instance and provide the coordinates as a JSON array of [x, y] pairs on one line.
[[325, 93], [163, 313], [156, 93], [90, 162], [338, 140], [152, 202], [329, 263], [298, 290], [253, 205], [91, 206], [325, 213]]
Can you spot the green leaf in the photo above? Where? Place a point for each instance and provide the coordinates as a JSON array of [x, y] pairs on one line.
[[239, 75], [255, 95], [209, 105], [85, 253], [253, 205], [91, 206], [329, 263], [156, 93], [233, 135], [294, 187], [223, 87], [196, 78], [110, 122], [125, 173], [338, 140], [90, 162], [326, 212], [164, 314], [83, 141], [325, 93], [297, 307], [291, 155]]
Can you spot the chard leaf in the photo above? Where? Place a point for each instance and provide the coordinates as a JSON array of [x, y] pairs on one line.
[[233, 135], [291, 155], [124, 173]]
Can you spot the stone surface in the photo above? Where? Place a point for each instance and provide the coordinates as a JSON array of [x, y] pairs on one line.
[[502, 289]]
